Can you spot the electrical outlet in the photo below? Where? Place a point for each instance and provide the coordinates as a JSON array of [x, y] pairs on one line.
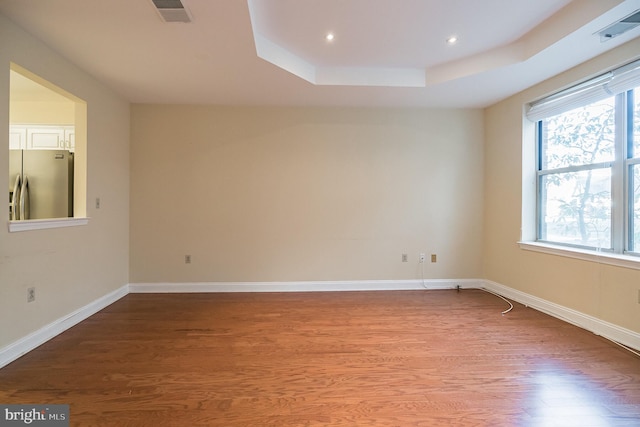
[[434, 258], [97, 202], [31, 294], [405, 258], [187, 259], [422, 257]]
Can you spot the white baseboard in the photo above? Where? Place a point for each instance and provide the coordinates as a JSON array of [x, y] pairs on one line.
[[24, 345], [592, 324], [304, 286], [599, 327]]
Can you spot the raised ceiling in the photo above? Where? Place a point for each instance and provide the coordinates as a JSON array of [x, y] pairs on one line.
[[274, 52], [386, 43]]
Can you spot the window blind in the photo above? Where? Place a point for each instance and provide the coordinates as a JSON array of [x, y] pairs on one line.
[[612, 83]]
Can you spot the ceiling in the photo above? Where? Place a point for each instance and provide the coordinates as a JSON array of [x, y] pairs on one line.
[[390, 53]]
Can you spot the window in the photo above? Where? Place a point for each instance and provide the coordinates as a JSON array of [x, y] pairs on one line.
[[588, 164], [47, 154], [633, 166]]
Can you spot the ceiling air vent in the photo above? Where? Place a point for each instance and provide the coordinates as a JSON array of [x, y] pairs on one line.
[[172, 11], [620, 27]]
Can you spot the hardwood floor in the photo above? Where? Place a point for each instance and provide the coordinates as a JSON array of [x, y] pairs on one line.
[[401, 358]]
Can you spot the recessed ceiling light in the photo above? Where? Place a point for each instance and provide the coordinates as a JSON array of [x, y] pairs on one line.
[[452, 40], [329, 37]]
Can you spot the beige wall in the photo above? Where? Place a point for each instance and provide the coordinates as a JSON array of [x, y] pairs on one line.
[[283, 194], [605, 292], [69, 267], [54, 113], [278, 194]]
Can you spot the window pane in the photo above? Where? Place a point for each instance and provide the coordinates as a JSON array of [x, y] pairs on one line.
[[636, 122], [634, 244], [581, 136], [576, 208]]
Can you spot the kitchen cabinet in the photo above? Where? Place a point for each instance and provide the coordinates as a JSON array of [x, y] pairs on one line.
[[70, 138], [45, 138], [42, 137], [17, 138]]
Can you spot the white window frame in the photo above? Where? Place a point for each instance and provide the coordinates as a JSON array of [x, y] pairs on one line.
[[616, 82]]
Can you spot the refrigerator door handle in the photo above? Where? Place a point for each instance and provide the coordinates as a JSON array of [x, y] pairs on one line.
[[24, 199], [15, 198]]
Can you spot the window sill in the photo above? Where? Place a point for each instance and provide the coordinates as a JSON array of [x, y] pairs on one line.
[[619, 260], [41, 224]]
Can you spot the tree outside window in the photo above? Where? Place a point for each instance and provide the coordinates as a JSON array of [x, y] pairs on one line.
[[577, 167]]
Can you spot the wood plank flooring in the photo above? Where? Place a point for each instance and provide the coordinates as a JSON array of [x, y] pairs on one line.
[[401, 358]]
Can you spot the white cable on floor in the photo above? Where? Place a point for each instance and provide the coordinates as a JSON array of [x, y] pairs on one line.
[[500, 296], [608, 339]]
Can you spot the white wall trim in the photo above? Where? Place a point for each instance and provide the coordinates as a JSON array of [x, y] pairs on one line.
[[599, 327], [304, 286], [25, 344], [43, 224], [592, 324]]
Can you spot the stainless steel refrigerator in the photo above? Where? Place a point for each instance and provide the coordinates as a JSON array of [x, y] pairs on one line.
[[40, 184]]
